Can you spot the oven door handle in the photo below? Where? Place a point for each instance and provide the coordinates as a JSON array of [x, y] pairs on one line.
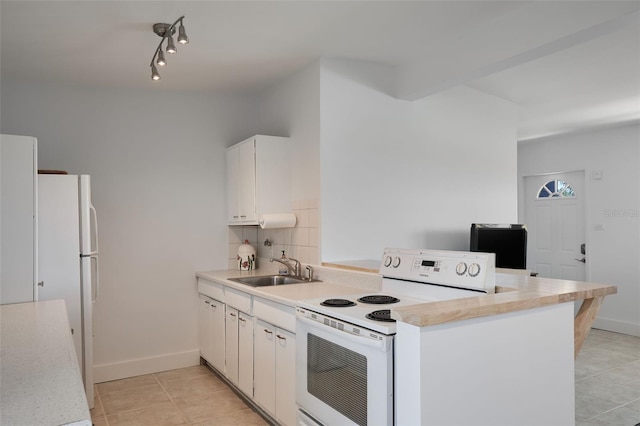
[[363, 340]]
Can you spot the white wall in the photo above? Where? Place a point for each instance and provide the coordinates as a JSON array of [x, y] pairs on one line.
[[613, 254], [410, 174], [157, 163], [292, 108]]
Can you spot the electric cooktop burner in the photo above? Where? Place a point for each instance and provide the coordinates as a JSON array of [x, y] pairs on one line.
[[381, 315], [379, 299], [338, 303]]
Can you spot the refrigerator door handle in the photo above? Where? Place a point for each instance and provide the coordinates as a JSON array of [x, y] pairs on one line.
[[95, 226], [94, 253], [95, 296]]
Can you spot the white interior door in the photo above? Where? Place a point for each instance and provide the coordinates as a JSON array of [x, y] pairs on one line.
[[554, 214]]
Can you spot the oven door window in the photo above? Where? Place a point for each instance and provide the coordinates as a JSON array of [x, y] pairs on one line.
[[338, 377]]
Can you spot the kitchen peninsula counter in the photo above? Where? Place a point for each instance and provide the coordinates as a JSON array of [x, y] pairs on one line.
[[514, 293], [41, 379], [516, 346]]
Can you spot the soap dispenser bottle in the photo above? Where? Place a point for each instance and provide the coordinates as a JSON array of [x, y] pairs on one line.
[[283, 270]]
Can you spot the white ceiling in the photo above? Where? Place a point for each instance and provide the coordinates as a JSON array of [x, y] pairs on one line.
[[568, 64]]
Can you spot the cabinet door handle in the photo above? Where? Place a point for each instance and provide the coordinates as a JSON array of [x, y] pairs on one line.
[[232, 314], [268, 331], [242, 319], [243, 216], [207, 302], [281, 337], [214, 306], [235, 217]]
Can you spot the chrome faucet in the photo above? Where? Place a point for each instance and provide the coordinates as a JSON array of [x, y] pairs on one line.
[[310, 272], [297, 267], [293, 270]]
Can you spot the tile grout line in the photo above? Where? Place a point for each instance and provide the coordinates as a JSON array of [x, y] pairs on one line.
[[140, 408], [184, 416], [603, 371], [604, 346], [104, 414], [612, 409]]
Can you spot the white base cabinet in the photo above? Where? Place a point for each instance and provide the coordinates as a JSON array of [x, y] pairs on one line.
[[245, 353], [231, 345], [274, 387], [285, 377], [265, 366], [204, 327], [257, 354], [239, 350], [211, 317]]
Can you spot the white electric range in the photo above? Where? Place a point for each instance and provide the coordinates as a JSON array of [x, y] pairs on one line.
[[344, 349]]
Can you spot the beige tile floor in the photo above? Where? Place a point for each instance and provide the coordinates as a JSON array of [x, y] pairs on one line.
[[607, 392], [608, 380], [187, 396]]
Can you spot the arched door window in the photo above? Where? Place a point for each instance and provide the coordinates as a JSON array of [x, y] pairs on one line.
[[556, 189]]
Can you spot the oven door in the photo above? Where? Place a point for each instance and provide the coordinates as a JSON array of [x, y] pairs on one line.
[[343, 378]]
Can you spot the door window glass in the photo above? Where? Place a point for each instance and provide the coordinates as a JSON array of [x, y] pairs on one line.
[[556, 189]]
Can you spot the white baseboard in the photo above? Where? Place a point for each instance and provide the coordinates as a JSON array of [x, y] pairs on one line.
[[617, 326], [140, 366]]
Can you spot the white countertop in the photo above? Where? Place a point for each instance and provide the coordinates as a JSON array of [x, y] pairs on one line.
[[41, 383], [334, 283]]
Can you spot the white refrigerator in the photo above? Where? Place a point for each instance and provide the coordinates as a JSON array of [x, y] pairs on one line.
[[68, 258]]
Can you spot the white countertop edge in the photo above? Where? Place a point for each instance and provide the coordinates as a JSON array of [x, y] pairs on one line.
[[332, 282]]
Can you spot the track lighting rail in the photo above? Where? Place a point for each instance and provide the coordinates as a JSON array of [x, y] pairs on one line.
[[166, 31]]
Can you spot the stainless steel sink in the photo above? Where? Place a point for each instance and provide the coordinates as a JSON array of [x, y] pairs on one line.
[[268, 280]]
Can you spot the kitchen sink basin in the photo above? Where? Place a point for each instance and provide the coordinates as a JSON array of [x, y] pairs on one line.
[[268, 280]]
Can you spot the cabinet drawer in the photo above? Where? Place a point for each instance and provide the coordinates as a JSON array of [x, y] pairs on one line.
[[275, 313], [211, 289], [238, 299]]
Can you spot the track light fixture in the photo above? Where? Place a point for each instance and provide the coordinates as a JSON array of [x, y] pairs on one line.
[[166, 31], [161, 61]]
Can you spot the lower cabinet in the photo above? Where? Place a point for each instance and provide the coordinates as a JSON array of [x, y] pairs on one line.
[[204, 327], [231, 345], [274, 367], [245, 353], [257, 354], [239, 349], [212, 331]]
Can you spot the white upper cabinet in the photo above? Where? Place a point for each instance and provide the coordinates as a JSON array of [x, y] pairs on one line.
[[258, 179]]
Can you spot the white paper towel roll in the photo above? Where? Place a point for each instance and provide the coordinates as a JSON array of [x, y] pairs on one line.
[[284, 220]]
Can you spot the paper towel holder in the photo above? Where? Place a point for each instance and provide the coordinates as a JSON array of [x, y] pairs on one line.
[[280, 220]]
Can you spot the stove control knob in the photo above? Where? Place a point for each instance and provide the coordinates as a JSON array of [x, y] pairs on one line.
[[461, 268], [474, 269], [387, 261], [396, 262]]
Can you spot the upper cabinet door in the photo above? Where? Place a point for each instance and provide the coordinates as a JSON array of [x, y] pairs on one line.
[[258, 179], [247, 182], [233, 176]]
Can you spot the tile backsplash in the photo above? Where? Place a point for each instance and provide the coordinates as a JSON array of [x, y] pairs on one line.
[[300, 242]]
